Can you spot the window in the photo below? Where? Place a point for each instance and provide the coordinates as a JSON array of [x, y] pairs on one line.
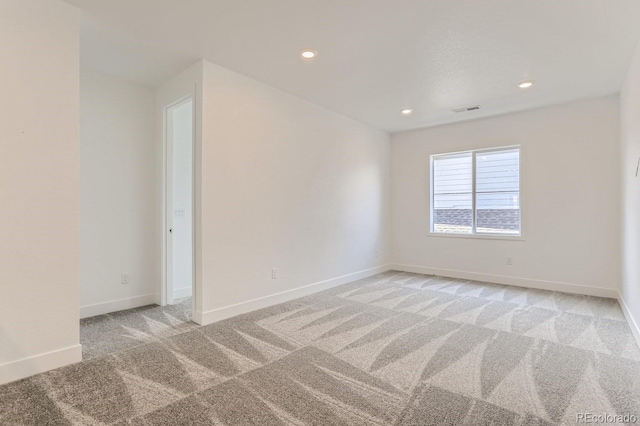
[[476, 192]]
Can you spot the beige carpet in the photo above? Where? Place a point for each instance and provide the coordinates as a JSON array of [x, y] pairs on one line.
[[396, 348], [107, 334]]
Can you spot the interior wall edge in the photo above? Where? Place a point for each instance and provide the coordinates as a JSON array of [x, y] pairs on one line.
[[26, 367], [39, 171], [633, 324]]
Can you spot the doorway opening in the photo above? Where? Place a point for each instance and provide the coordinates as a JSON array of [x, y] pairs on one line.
[[179, 202]]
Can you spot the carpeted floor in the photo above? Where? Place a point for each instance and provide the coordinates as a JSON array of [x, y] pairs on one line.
[[111, 333], [394, 349]]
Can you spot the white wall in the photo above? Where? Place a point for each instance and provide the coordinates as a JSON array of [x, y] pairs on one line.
[[182, 199], [119, 191], [285, 184], [570, 199], [38, 187], [630, 155]]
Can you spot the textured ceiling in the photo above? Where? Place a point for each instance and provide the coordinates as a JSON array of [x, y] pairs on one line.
[[378, 56]]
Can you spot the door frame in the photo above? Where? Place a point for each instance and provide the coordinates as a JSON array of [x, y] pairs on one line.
[[166, 296]]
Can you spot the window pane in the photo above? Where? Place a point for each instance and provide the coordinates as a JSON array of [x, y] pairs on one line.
[[497, 192], [452, 194], [500, 214]]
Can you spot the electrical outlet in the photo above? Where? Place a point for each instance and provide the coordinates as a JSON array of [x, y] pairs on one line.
[[124, 278], [377, 254], [274, 274], [509, 261]]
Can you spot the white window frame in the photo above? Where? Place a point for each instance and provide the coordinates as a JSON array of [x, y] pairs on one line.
[[474, 234]]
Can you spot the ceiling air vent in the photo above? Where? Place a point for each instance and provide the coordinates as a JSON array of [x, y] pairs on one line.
[[465, 109]]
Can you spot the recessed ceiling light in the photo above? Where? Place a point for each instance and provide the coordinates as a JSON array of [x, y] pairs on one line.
[[525, 84], [406, 111], [308, 54]]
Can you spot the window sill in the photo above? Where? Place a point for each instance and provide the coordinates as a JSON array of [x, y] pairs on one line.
[[477, 236]]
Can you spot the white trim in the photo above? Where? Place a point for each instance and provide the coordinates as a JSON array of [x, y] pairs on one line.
[[507, 280], [166, 292], [505, 237], [181, 293], [474, 232], [118, 305], [37, 364], [633, 324], [188, 83], [474, 193], [214, 315]]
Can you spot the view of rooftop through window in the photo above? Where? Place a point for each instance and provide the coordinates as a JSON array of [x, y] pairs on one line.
[[476, 192]]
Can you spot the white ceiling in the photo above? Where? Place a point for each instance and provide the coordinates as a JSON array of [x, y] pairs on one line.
[[376, 57]]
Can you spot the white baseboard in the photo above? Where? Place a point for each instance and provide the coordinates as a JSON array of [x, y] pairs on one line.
[[118, 305], [26, 367], [214, 315], [633, 324], [181, 293], [515, 281]]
